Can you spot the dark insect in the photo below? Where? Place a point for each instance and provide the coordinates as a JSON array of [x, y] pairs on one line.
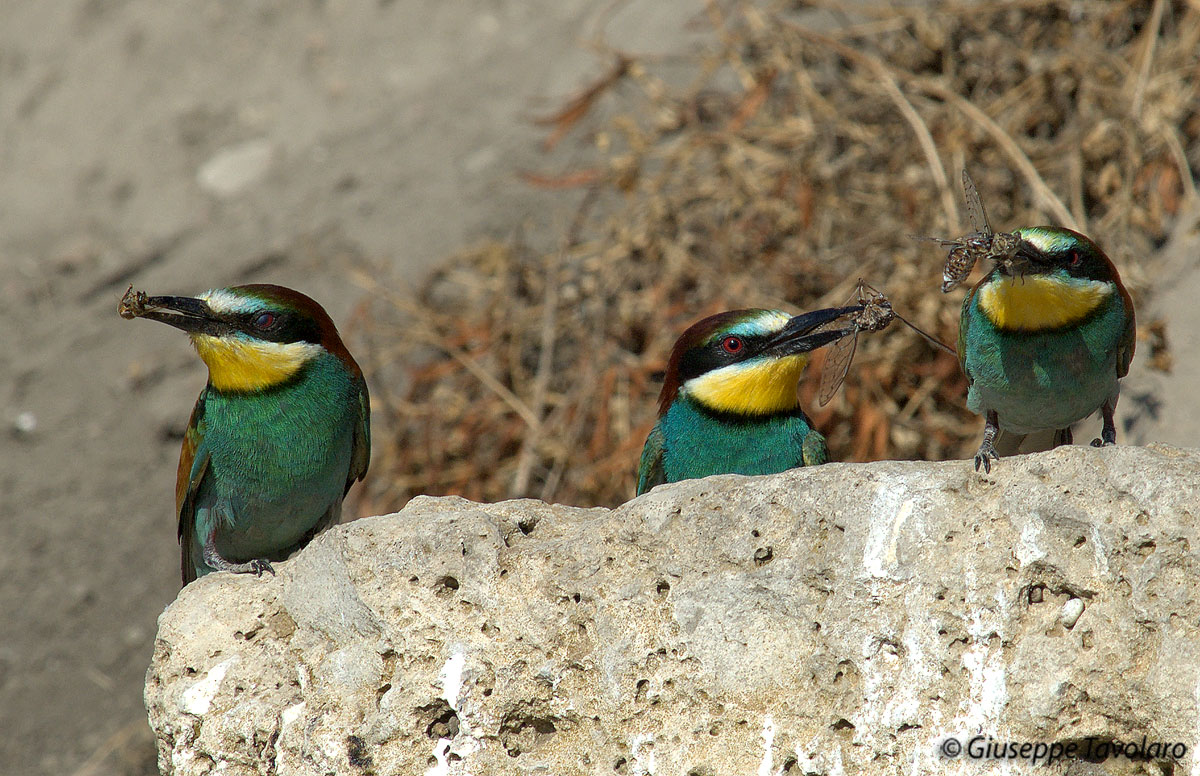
[[133, 304], [876, 314], [983, 243]]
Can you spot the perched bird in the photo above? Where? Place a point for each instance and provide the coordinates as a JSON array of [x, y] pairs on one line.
[[279, 434], [729, 403], [1043, 340]]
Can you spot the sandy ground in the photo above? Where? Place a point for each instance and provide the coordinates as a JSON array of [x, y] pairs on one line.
[[183, 146], [186, 146]]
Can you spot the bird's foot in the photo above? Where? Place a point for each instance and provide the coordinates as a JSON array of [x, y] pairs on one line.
[[987, 449], [985, 456], [255, 567], [215, 560], [1108, 433]]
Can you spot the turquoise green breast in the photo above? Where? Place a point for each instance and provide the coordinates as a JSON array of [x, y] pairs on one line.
[[279, 459], [1041, 379], [697, 443]]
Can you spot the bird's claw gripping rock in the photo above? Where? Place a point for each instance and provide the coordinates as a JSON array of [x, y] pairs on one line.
[[985, 456]]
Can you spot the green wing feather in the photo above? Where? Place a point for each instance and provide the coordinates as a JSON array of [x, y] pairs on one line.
[[193, 466], [963, 323], [360, 454], [1128, 339], [650, 468], [813, 450], [360, 459]]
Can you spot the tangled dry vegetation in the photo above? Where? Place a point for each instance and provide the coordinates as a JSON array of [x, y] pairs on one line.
[[805, 149]]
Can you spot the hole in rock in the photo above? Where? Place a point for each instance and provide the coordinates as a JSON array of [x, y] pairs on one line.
[[357, 753], [443, 721]]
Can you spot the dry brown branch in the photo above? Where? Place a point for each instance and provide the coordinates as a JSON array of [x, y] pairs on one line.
[[578, 106], [571, 180], [919, 127], [424, 333], [541, 381], [1008, 145], [1150, 35]]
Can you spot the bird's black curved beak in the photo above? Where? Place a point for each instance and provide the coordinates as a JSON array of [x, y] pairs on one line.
[[183, 312], [812, 330]]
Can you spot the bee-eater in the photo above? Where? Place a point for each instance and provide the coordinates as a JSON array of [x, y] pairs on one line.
[[729, 401], [1043, 340], [279, 434]]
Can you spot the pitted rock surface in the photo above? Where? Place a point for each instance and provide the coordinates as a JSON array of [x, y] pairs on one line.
[[846, 618]]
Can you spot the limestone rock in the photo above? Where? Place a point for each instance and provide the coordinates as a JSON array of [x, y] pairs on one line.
[[841, 619]]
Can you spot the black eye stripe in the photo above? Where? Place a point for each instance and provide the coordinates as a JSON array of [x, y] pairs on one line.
[[714, 355], [269, 325]]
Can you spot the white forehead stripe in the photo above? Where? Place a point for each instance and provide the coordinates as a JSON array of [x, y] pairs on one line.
[[1046, 242], [222, 300], [768, 322]]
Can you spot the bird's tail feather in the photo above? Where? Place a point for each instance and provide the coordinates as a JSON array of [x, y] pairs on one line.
[[1010, 443]]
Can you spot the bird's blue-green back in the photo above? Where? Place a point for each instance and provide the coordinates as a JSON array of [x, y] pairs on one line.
[[690, 441]]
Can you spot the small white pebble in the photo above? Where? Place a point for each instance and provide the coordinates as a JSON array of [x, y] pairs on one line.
[[1070, 612], [234, 168], [25, 423], [488, 24]]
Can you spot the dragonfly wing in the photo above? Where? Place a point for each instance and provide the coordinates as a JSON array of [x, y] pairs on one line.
[[975, 211], [837, 364]]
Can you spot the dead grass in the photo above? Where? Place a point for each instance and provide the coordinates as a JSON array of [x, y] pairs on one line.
[[793, 163]]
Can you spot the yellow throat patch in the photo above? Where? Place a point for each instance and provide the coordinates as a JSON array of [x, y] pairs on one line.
[[1036, 302], [753, 388], [240, 365]]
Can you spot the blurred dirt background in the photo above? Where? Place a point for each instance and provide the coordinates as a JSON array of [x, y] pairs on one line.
[[512, 208]]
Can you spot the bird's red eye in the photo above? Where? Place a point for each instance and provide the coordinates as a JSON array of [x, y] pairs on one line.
[[732, 344], [264, 320], [1076, 259]]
